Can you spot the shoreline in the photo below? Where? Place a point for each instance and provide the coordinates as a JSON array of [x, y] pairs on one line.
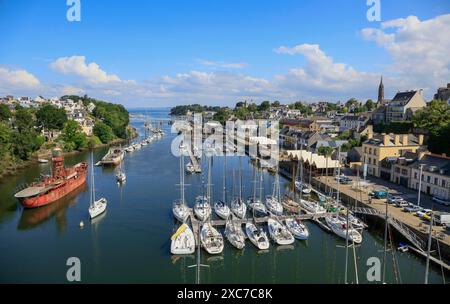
[[17, 167]]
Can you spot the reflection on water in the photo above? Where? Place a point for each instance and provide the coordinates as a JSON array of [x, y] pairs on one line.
[[32, 218], [131, 242]]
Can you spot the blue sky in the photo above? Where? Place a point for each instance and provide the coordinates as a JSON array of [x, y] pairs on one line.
[[161, 53]]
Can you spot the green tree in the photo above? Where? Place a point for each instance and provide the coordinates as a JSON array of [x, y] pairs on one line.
[[23, 119], [50, 117], [325, 151], [73, 137], [276, 104], [370, 105], [242, 113], [436, 119], [103, 132], [222, 115], [264, 106], [5, 112], [5, 139]]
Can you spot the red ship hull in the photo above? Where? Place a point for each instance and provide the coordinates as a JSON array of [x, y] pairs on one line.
[[54, 194]]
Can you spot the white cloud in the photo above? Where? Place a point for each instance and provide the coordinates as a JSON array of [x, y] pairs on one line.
[[11, 79], [320, 76], [419, 50], [76, 65], [220, 64], [71, 90]]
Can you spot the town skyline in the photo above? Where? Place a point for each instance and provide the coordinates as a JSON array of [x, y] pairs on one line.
[[196, 56]]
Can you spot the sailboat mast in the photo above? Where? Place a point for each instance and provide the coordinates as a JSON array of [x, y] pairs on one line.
[[208, 193], [240, 177], [224, 194], [182, 175], [92, 179]]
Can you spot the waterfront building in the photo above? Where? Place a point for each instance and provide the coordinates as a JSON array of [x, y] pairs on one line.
[[379, 151], [435, 175]]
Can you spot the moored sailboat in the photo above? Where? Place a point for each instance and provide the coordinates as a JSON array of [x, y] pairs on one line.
[[211, 239], [183, 241], [279, 233], [96, 207]]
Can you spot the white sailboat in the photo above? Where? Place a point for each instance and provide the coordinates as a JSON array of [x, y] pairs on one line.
[[96, 207], [257, 236], [234, 234], [211, 239], [297, 228], [202, 207], [255, 203], [273, 202], [183, 241], [279, 233], [238, 206], [121, 177], [220, 207], [179, 208], [340, 228], [304, 188], [312, 207]]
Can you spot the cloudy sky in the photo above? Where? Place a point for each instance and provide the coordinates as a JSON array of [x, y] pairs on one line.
[[163, 53]]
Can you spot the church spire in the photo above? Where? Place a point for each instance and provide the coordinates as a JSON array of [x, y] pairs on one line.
[[381, 92]]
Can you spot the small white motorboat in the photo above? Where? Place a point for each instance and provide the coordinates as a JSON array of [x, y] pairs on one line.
[[183, 241], [42, 161], [304, 188]]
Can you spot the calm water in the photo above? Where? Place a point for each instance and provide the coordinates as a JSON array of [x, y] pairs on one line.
[[130, 243]]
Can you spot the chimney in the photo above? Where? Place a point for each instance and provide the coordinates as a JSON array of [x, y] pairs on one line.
[[386, 139], [397, 139], [405, 139], [420, 138]]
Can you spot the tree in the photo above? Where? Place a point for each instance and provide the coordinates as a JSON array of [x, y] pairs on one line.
[[50, 117], [325, 151], [5, 112], [370, 105], [240, 104], [436, 119], [242, 113], [5, 139], [222, 115], [264, 106], [23, 119], [103, 132], [276, 104], [73, 137]]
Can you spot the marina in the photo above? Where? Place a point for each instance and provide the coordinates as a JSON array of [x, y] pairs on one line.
[[130, 242]]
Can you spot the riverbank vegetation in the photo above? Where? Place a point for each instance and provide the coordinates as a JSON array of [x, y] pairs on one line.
[[26, 133]]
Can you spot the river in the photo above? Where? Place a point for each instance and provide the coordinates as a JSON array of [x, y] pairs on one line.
[[130, 243]]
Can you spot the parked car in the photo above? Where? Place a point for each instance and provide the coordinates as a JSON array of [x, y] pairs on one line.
[[422, 213], [379, 194], [394, 199], [402, 204], [442, 218], [412, 208], [342, 179]]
